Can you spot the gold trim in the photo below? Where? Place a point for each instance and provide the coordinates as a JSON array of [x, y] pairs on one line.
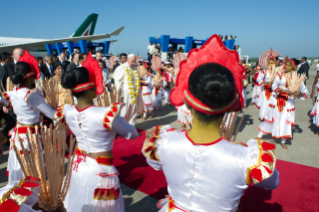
[[207, 108], [258, 161], [7, 194], [83, 86]]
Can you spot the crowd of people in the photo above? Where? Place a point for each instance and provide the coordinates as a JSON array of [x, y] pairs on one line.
[[211, 83]]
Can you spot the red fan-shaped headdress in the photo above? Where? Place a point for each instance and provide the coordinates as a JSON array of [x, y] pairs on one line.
[[95, 76], [292, 62], [213, 51], [33, 63]]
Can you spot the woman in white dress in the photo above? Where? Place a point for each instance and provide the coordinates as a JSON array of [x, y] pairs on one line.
[[315, 110], [204, 171], [146, 84], [158, 83], [27, 103], [284, 112], [94, 184], [258, 83]]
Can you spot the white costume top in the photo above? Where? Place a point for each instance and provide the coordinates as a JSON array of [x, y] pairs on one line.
[[147, 84], [208, 177], [259, 78], [96, 127], [28, 104]]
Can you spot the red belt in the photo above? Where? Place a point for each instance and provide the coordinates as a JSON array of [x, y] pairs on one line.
[[103, 160], [24, 129]]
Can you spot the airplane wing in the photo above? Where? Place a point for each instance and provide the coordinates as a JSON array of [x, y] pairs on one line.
[[41, 44]]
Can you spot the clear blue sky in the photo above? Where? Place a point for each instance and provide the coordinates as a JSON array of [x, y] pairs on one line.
[[290, 27]]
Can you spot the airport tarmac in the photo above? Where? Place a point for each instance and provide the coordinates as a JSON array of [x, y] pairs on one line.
[[303, 149]]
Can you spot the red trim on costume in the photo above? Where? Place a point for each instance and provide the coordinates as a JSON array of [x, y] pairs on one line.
[[263, 131], [104, 160], [284, 136], [291, 123], [270, 122], [205, 144], [82, 87], [76, 107], [102, 174]]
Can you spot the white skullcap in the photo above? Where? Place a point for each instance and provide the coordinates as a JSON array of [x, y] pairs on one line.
[[241, 59], [281, 58], [130, 55]]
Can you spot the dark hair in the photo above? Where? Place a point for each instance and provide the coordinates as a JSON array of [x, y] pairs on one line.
[[102, 61], [123, 54], [20, 70], [214, 85], [55, 66], [39, 58], [75, 77], [81, 56], [305, 58], [4, 55]]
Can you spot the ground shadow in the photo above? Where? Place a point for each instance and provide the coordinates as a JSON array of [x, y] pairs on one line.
[[153, 122], [312, 126], [254, 200]]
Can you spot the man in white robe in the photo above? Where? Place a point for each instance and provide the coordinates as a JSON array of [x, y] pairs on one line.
[[129, 86]]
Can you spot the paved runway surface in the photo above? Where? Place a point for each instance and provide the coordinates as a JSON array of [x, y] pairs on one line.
[[303, 149]]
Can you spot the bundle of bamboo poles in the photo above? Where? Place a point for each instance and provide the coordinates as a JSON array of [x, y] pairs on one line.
[[51, 90], [227, 127], [295, 80], [107, 98], [272, 72], [53, 189]]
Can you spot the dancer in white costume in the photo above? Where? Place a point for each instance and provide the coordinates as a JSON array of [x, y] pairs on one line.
[[182, 113], [258, 83], [284, 112], [158, 83], [94, 184], [127, 79], [146, 84], [267, 102], [315, 110], [213, 172], [169, 80], [27, 103]]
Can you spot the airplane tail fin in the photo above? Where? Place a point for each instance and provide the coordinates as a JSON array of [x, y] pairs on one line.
[[87, 27]]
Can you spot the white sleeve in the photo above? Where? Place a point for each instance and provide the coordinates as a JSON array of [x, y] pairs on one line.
[[303, 89], [118, 76], [275, 84], [152, 145], [39, 102], [123, 128]]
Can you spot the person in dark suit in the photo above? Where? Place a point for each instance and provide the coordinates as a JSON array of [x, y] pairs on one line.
[[6, 71], [47, 68], [5, 58], [75, 62], [304, 67], [63, 61]]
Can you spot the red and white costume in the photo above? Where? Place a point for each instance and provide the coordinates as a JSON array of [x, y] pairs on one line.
[[315, 110], [27, 105], [207, 176], [211, 177], [181, 117], [258, 81], [94, 183], [244, 92], [284, 111], [146, 84]]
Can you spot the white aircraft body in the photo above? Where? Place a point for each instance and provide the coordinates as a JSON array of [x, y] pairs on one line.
[[37, 46]]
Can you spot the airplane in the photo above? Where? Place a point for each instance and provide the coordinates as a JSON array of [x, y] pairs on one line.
[[37, 47]]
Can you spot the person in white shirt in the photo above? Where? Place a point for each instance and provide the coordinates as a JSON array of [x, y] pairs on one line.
[[238, 50], [317, 67], [149, 48]]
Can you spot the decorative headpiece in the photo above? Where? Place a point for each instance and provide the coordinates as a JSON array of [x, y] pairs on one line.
[[95, 76], [33, 63], [293, 64], [266, 56], [213, 51]]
